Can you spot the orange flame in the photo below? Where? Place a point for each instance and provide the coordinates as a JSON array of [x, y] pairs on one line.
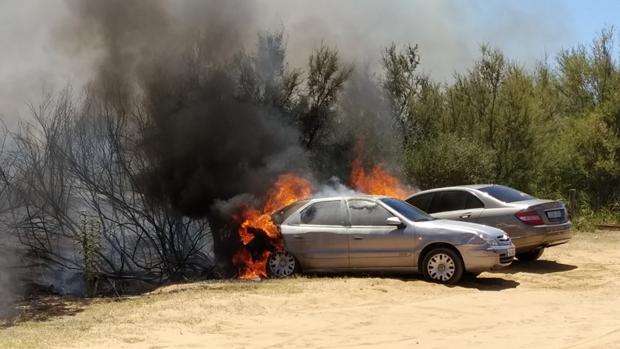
[[376, 182], [287, 190], [252, 269]]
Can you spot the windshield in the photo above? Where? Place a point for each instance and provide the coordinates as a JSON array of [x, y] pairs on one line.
[[407, 210], [506, 194]]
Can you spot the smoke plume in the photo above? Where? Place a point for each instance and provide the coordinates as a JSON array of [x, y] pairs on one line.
[[203, 141]]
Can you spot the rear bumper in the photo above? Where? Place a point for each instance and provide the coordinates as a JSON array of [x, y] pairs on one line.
[[478, 258], [531, 238]]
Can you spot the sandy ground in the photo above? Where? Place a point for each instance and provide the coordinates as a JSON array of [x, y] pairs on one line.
[[569, 299]]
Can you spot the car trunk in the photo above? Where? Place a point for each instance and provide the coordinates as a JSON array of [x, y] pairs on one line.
[[552, 212]]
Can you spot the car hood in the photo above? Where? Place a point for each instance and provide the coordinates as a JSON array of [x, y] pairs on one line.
[[464, 227]]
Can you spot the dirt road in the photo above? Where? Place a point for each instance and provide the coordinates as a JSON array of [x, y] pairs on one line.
[[569, 299]]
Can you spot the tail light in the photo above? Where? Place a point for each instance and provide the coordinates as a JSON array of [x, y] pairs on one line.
[[529, 217]]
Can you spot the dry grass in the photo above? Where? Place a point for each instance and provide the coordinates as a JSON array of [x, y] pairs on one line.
[[306, 310]]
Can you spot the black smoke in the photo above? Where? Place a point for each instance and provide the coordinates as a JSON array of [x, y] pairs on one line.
[[203, 140]]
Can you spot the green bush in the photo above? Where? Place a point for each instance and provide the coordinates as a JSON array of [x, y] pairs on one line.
[[448, 160]]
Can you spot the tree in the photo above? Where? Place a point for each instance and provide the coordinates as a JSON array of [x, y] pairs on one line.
[[78, 173], [265, 77], [403, 84], [6, 172], [326, 77]]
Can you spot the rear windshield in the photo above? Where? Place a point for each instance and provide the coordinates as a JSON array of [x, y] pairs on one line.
[[506, 194], [279, 216], [407, 210]]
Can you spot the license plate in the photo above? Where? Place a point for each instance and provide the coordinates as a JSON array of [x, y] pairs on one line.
[[510, 252], [555, 214]]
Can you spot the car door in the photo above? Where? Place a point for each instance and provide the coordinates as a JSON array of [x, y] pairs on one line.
[[373, 243], [317, 236], [457, 205]]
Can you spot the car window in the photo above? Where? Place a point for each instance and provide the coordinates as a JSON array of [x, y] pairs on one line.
[[506, 194], [279, 216], [423, 202], [473, 202], [451, 200], [323, 213], [407, 210], [367, 213]]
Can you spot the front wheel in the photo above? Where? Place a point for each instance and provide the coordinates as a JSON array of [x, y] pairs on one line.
[[282, 264], [530, 256], [443, 265]]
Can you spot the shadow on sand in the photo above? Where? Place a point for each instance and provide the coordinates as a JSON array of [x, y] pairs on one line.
[[488, 283], [536, 267]]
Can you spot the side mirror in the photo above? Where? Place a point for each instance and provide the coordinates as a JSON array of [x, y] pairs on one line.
[[394, 221]]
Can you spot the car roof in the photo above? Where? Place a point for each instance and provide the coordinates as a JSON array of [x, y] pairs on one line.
[[467, 186], [347, 197], [304, 202]]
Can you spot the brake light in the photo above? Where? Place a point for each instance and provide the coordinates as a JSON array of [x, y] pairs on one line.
[[529, 217]]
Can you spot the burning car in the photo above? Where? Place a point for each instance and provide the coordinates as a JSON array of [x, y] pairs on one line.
[[381, 233]]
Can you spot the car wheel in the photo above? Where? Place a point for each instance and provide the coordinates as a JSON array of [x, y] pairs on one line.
[[530, 255], [443, 265], [282, 264]]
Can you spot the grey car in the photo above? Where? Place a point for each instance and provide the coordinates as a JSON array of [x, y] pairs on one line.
[[532, 224], [379, 233]]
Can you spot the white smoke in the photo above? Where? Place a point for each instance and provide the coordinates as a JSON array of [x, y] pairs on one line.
[[334, 187]]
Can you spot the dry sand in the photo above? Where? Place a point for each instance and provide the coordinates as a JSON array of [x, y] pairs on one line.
[[569, 299]]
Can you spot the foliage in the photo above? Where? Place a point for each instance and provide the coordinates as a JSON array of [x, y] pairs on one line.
[[459, 159], [326, 76], [545, 130]]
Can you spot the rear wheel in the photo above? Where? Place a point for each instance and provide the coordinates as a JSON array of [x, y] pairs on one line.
[[282, 264], [442, 265], [530, 255]]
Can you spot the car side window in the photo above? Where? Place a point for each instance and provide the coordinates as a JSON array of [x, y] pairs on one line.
[[451, 200], [367, 213], [323, 213], [423, 202], [473, 202]]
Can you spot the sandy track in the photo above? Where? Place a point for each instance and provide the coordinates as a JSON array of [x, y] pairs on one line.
[[570, 299]]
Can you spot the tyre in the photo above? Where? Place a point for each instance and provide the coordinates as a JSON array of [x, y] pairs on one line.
[[530, 255], [282, 264], [443, 265]]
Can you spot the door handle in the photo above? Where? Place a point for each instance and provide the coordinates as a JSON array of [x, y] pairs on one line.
[[465, 215], [358, 238]]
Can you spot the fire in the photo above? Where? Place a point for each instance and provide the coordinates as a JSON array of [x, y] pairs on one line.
[[377, 181], [287, 189], [252, 269]]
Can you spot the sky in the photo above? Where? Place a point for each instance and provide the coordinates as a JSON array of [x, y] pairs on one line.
[[449, 34]]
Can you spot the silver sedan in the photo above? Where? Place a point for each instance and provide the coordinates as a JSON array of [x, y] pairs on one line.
[[378, 233], [532, 224]]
